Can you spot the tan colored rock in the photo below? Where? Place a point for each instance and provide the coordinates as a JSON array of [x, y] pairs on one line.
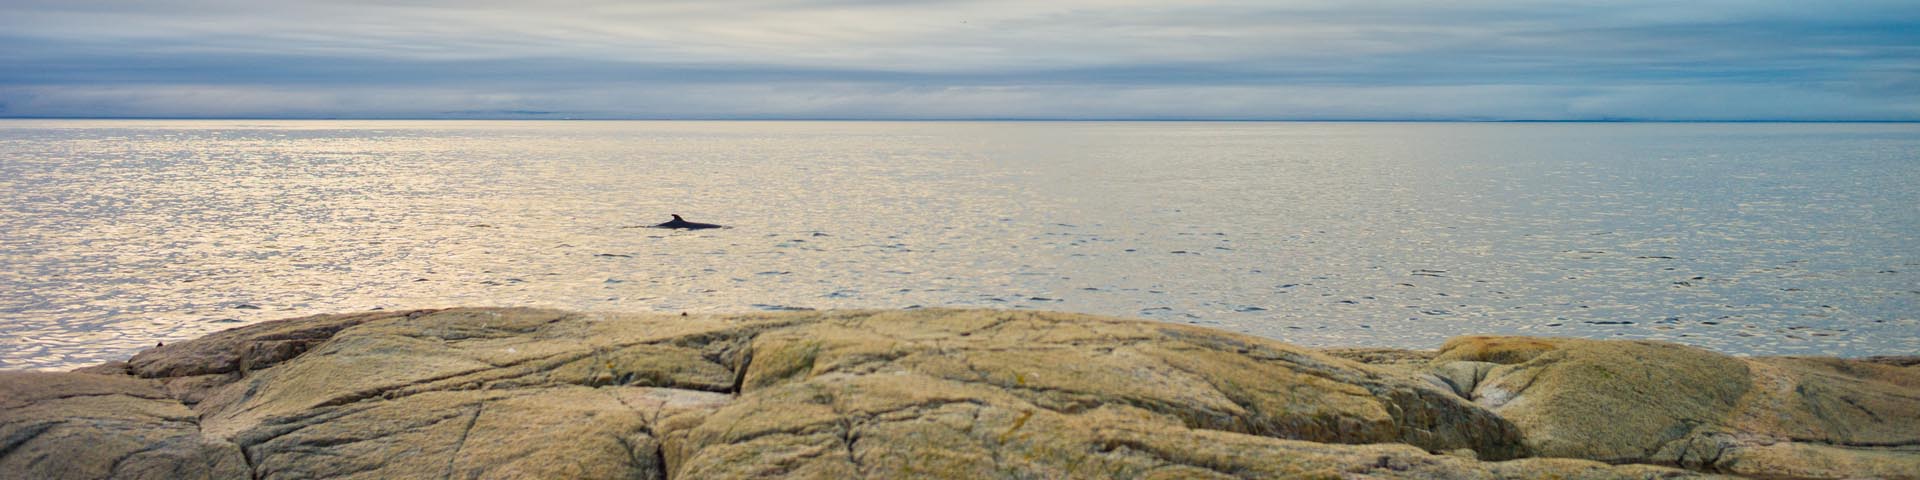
[[526, 393], [255, 346], [1208, 379], [1464, 376], [1619, 401], [1390, 357], [554, 432], [1502, 350], [84, 426], [1908, 361], [1612, 401], [909, 425]]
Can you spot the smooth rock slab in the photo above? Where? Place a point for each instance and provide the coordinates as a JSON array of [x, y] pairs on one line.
[[81, 426], [525, 393], [1653, 402]]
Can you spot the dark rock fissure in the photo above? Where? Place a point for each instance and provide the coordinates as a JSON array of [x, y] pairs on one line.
[[740, 375], [633, 453], [1121, 445], [1479, 377], [652, 429], [660, 459], [1863, 409], [1078, 402], [253, 470], [1700, 460], [113, 470], [462, 442], [22, 436], [281, 426], [110, 394], [996, 324], [826, 427], [847, 439], [1831, 443], [383, 391], [1713, 464]]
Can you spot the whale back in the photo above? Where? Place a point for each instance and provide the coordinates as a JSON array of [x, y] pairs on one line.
[[679, 223]]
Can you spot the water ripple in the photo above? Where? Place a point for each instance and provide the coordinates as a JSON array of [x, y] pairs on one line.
[[1755, 239]]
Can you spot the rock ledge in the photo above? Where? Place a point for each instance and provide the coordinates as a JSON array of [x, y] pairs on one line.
[[526, 393]]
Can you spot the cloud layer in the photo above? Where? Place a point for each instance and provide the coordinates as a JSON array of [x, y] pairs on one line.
[[1698, 60]]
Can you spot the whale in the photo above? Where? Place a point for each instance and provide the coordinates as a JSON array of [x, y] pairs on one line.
[[681, 223]]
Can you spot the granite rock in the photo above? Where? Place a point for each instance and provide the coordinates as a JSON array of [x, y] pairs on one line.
[[1652, 402], [528, 393]]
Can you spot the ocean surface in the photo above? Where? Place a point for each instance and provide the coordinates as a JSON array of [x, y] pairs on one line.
[[1745, 238]]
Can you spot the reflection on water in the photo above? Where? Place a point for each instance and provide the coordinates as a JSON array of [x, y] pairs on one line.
[[1764, 239]]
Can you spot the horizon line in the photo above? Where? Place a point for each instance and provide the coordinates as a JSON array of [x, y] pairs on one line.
[[950, 119]]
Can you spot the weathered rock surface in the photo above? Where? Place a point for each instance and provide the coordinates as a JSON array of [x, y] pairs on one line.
[[522, 393], [76, 425], [1651, 402]]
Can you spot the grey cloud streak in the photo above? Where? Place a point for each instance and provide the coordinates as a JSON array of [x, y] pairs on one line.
[[1706, 60]]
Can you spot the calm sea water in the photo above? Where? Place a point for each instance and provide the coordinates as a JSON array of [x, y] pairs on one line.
[[1745, 238]]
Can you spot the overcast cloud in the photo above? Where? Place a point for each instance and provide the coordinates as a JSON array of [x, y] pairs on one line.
[[1683, 60]]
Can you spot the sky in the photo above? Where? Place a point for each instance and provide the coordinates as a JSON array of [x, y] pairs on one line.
[[1855, 60]]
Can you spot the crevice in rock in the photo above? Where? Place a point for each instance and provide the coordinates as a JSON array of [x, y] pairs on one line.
[[1296, 362], [279, 347], [462, 442], [652, 380], [633, 453], [276, 427], [1712, 464], [1699, 453], [827, 426], [1479, 376], [660, 458], [650, 419], [246, 455], [847, 439], [348, 473], [383, 391], [1003, 320], [652, 429], [1250, 421], [1123, 445], [1832, 443], [1893, 360], [108, 394], [800, 431], [113, 469], [22, 436], [1077, 402], [1531, 376], [740, 374], [1863, 409], [736, 334], [546, 364]]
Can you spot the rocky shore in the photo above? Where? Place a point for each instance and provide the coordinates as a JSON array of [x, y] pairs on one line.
[[523, 393]]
